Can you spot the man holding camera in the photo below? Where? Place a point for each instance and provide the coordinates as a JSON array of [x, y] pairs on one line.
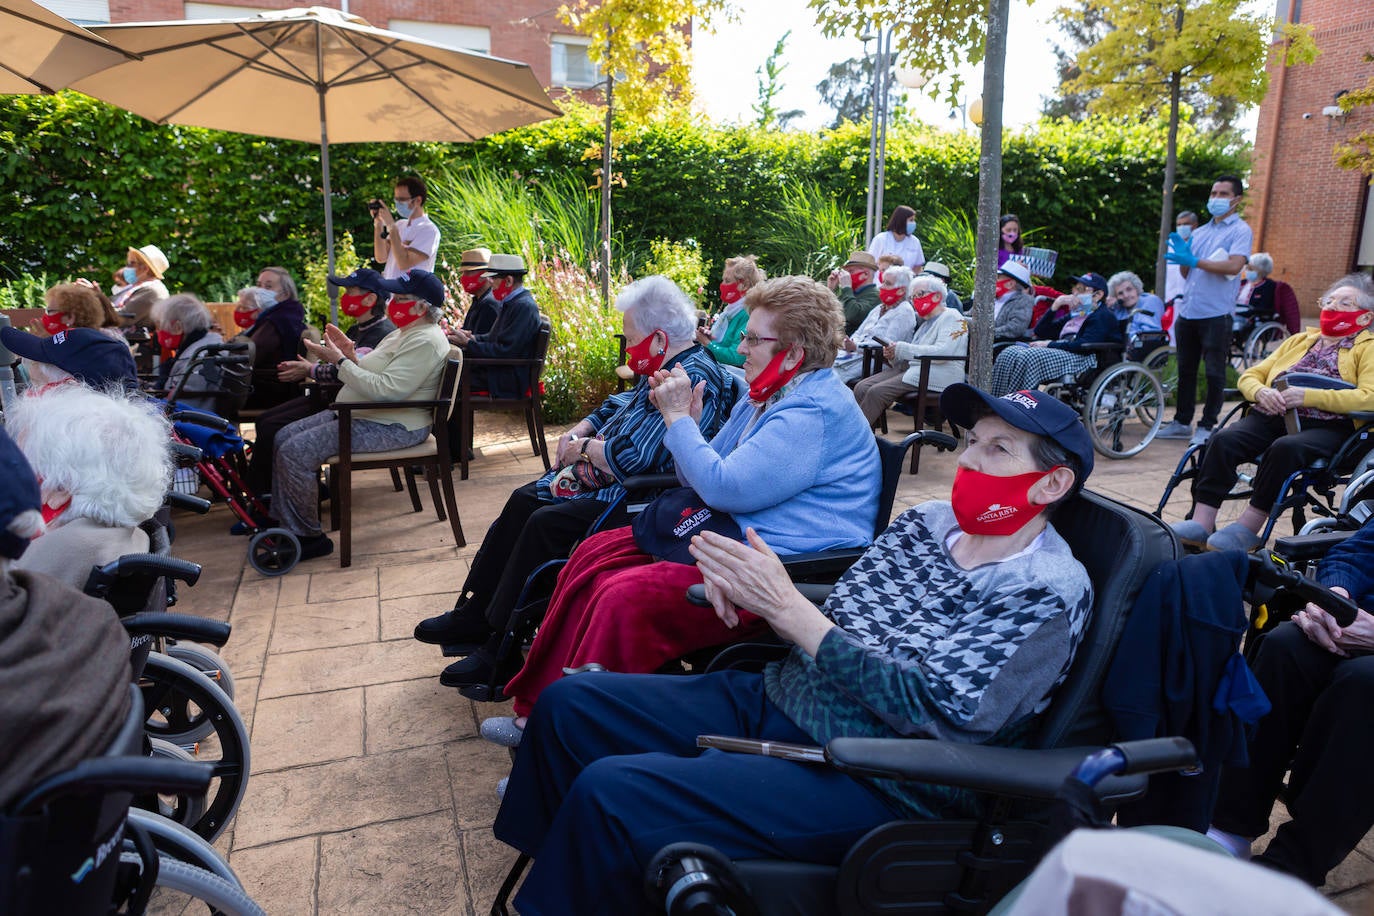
[[408, 242]]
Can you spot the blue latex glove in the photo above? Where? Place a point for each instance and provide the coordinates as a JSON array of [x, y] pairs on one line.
[[1180, 252]]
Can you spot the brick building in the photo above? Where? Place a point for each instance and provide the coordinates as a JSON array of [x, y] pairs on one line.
[[524, 30], [1313, 217]]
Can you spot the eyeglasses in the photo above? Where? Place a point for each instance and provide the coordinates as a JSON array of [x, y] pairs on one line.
[[402, 200], [751, 340], [1346, 305]]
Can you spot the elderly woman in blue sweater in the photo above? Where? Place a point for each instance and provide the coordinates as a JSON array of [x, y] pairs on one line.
[[796, 462]]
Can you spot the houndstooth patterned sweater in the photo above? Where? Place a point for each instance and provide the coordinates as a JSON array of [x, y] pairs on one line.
[[924, 648]]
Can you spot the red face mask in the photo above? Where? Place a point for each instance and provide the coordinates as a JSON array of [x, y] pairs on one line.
[[858, 278], [500, 291], [730, 292], [355, 306], [400, 312], [1336, 323], [924, 305], [54, 323], [889, 296], [52, 512], [642, 360], [1002, 288], [245, 318], [984, 504], [472, 283], [168, 341], [773, 377]]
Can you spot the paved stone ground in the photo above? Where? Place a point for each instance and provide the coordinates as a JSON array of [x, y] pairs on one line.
[[371, 792]]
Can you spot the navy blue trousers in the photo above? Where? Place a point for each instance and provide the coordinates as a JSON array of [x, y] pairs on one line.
[[608, 773]]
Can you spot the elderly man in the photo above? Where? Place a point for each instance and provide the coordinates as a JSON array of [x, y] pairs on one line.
[[482, 312], [982, 607], [512, 334], [854, 284]]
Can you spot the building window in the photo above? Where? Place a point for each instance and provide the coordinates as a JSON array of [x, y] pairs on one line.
[[82, 12], [572, 67], [467, 37], [225, 11]]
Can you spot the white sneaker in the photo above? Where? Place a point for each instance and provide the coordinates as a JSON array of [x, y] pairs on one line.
[[1174, 430], [1200, 437]]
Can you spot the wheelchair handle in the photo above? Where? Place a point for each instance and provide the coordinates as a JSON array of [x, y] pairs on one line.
[[118, 774], [943, 442], [1267, 572], [136, 563], [183, 451], [1152, 755], [177, 626], [201, 418], [186, 501]]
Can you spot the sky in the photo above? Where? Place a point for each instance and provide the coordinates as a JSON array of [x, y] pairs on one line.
[[725, 64]]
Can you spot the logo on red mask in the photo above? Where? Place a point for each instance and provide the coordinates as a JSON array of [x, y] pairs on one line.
[[641, 359], [55, 323], [889, 296]]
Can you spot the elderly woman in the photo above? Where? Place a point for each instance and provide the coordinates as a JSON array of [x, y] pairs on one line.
[[184, 328], [406, 366], [64, 657], [78, 305], [543, 520], [275, 327], [951, 627], [1342, 348], [1026, 366], [892, 319], [721, 340], [1143, 312], [796, 464], [104, 464], [1269, 296], [138, 284], [943, 332]]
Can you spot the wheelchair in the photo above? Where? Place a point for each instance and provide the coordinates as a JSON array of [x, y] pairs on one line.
[[72, 845], [1122, 402], [1255, 333], [964, 865], [824, 566], [1310, 489]]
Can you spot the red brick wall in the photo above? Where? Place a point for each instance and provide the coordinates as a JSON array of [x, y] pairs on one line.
[[1305, 211]]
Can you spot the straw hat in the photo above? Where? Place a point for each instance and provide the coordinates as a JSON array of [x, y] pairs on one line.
[[153, 257], [475, 258]]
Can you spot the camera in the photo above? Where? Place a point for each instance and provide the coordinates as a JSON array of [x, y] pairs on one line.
[[374, 205], [1307, 115]]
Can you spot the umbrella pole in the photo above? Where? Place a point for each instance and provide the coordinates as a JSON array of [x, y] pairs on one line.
[[328, 205]]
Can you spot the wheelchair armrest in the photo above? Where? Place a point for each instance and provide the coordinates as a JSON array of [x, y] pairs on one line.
[[133, 564], [639, 482], [493, 361], [822, 563], [1361, 416], [177, 626], [942, 442], [815, 592], [118, 774], [1102, 346], [1312, 380], [200, 418], [1009, 771], [1298, 548]]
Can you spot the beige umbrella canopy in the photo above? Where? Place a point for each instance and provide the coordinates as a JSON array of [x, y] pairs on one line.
[[42, 52], [302, 74]]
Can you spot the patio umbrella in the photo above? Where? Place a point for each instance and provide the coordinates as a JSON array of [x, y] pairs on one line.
[[299, 74], [42, 52]]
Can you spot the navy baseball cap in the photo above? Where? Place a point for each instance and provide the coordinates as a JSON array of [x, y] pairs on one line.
[[1034, 411], [88, 355], [18, 494], [418, 283], [1092, 281], [363, 278]]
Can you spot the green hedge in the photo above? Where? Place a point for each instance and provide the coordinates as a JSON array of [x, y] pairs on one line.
[[80, 181]]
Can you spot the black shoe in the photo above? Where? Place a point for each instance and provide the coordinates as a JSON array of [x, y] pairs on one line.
[[477, 670], [318, 546], [259, 522], [456, 626]]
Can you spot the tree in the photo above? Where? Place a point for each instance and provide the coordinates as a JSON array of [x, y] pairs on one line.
[[939, 36], [848, 88], [1357, 154], [1156, 52], [770, 87]]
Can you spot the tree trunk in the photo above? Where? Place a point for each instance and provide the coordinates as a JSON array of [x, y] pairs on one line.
[[606, 161], [1166, 213], [989, 195]]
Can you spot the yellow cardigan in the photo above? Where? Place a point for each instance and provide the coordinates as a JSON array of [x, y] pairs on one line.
[[1356, 365]]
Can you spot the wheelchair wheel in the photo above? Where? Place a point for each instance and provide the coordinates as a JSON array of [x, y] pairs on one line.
[[182, 810], [1124, 409], [274, 552], [179, 885], [1262, 341], [175, 841], [206, 662], [1163, 362], [174, 693]]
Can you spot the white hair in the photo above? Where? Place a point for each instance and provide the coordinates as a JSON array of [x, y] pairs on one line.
[[929, 283], [656, 303], [108, 449], [1125, 276], [898, 276], [1262, 262], [264, 298], [185, 309]]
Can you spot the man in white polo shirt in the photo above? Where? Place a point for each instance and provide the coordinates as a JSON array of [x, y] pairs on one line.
[[408, 242]]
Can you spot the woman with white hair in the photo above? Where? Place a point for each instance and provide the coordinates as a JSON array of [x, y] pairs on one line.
[[891, 320], [623, 437], [184, 328], [104, 464], [1269, 296]]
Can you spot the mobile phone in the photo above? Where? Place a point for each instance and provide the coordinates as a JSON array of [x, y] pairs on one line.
[[701, 321], [877, 339], [802, 753]]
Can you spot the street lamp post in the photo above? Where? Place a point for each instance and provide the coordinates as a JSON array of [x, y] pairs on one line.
[[877, 134]]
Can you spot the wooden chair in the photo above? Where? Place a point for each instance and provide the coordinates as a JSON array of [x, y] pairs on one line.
[[469, 401], [431, 454], [923, 402]]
